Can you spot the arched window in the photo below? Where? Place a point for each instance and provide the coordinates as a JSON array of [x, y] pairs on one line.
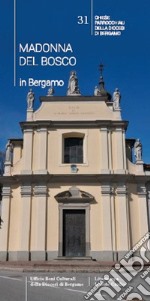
[[73, 150]]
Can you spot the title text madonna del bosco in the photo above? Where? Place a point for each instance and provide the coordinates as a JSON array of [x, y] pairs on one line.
[[45, 60]]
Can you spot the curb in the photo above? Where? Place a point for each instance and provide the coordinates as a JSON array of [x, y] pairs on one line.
[[54, 270], [61, 267]]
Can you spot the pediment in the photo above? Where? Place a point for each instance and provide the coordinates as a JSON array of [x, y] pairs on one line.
[[74, 194]]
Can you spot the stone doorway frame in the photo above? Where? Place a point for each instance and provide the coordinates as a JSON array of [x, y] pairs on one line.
[[75, 206], [75, 199]]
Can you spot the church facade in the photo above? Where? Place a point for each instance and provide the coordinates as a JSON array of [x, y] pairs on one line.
[[74, 186]]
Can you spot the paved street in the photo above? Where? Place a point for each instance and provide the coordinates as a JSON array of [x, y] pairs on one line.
[[18, 286], [26, 287]]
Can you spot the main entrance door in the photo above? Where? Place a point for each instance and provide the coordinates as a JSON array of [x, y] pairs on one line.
[[73, 232]]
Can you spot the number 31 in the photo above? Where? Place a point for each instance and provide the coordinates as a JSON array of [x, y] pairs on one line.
[[82, 20]]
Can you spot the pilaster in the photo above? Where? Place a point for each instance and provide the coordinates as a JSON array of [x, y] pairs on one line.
[[113, 220], [139, 167], [25, 227], [38, 250], [122, 220], [124, 150], [120, 152], [142, 206], [27, 151], [7, 169], [107, 220], [4, 232], [42, 152], [29, 114], [117, 114], [104, 151], [110, 150]]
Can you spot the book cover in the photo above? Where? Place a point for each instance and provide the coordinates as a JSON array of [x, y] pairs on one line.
[[85, 34], [43, 44]]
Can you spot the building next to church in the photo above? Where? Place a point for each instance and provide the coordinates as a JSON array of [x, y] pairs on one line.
[[74, 186]]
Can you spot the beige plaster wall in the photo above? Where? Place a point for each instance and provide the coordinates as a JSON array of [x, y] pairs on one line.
[[83, 110], [15, 219], [17, 160], [17, 154], [16, 168], [134, 213], [131, 167], [98, 232], [114, 150], [96, 219], [35, 150], [91, 152], [33, 237], [94, 149], [38, 224], [52, 219]]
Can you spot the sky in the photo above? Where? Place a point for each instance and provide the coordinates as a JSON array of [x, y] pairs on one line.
[[126, 58]]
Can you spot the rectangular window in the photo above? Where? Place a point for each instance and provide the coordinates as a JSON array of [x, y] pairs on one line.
[[73, 150]]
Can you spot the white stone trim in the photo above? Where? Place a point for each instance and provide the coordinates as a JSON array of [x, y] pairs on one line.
[[7, 168], [40, 190], [26, 190], [121, 189], [141, 190], [139, 164], [6, 191], [29, 115], [75, 206], [106, 189]]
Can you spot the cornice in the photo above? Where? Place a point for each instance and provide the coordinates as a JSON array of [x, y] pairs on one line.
[[74, 98], [74, 178], [74, 124]]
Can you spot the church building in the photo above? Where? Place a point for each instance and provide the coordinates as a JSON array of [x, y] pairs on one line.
[[74, 186]]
